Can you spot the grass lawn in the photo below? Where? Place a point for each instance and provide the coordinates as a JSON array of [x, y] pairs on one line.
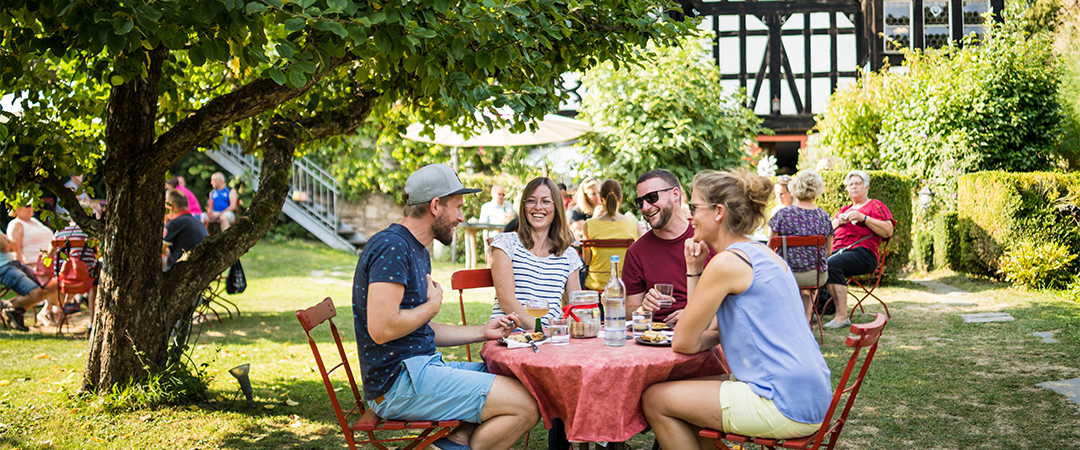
[[937, 382]]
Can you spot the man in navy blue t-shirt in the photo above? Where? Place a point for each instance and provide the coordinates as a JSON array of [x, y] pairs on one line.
[[394, 300]]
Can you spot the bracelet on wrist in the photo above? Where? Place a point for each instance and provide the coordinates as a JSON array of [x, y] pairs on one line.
[[691, 275]]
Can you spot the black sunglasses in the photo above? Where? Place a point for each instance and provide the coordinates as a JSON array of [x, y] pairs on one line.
[[651, 197]]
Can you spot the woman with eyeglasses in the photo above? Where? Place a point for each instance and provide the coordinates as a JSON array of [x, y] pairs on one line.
[[779, 386], [609, 224], [537, 260], [587, 203]]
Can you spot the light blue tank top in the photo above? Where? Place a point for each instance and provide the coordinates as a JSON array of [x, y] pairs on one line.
[[768, 343], [6, 258]]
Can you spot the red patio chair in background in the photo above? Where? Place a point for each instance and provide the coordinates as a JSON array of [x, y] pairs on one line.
[[359, 418], [864, 336], [74, 277], [469, 279], [779, 244], [870, 281], [587, 244]]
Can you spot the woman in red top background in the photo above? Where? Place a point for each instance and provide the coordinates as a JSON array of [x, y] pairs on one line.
[[859, 229]]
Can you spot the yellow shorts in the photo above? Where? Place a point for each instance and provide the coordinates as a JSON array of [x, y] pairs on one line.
[[748, 414]]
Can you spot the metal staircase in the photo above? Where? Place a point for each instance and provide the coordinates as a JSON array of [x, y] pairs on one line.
[[313, 201]]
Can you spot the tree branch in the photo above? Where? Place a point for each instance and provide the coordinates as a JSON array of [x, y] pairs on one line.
[[66, 198], [248, 101]]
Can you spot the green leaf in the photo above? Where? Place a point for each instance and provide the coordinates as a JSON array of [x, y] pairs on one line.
[[255, 8], [122, 25], [483, 60], [295, 24], [275, 74], [502, 58], [296, 77], [338, 29]]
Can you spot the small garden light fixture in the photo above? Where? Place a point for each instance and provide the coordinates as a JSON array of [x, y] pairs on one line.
[[926, 196], [241, 374]]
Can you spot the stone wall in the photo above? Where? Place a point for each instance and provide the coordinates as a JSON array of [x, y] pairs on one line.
[[371, 213]]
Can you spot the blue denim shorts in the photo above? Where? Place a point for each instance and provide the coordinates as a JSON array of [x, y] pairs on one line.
[[427, 388], [12, 276]]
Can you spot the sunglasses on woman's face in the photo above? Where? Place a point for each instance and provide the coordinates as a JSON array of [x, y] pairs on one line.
[[651, 197]]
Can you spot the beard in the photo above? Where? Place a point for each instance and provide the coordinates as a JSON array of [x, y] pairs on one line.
[[662, 217], [443, 228]]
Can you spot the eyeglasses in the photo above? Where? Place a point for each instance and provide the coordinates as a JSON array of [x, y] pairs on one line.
[[545, 202], [694, 208], [651, 197]]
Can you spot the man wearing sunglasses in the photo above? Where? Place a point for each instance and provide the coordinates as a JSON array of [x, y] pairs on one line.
[[657, 257]]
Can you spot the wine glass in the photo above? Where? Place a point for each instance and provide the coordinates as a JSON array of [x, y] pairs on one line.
[[537, 307]]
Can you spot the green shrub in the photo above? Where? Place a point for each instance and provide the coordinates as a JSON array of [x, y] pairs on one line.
[[1036, 265], [177, 383], [893, 189], [996, 209]]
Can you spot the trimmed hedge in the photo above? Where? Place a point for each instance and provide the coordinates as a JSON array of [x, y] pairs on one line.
[[996, 209], [896, 191]]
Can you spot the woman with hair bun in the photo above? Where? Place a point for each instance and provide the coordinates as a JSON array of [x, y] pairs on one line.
[[609, 224], [779, 386]]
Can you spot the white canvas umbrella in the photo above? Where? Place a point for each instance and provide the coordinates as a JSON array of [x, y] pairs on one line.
[[553, 128]]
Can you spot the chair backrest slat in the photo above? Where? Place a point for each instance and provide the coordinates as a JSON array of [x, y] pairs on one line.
[[865, 336], [469, 279], [605, 243]]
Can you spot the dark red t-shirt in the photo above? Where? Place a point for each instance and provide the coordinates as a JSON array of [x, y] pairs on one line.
[[652, 260], [848, 233]]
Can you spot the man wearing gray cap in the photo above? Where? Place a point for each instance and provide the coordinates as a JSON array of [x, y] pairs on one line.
[[394, 300]]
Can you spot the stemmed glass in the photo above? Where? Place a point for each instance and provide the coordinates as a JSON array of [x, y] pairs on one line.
[[537, 307]]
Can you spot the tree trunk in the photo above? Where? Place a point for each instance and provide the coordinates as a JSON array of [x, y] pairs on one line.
[[138, 305]]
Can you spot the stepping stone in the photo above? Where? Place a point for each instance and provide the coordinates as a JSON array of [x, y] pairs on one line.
[[317, 273], [1047, 337], [987, 317], [941, 288], [1068, 388], [337, 273], [958, 302]]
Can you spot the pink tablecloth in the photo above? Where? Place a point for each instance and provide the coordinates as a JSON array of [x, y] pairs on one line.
[[596, 390]]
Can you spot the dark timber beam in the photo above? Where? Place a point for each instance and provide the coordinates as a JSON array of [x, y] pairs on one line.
[[725, 8]]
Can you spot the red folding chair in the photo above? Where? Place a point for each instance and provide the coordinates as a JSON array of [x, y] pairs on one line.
[[469, 279], [74, 276], [780, 244], [366, 420], [865, 336], [864, 281]]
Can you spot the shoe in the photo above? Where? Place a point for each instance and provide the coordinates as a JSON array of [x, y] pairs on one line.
[[4, 304], [832, 325], [44, 319], [446, 444], [72, 308], [14, 317]]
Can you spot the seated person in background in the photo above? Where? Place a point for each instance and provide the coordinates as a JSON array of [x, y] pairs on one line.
[[87, 254], [394, 301], [779, 386], [804, 218], [609, 224], [498, 211], [536, 261], [193, 202], [567, 200], [222, 205], [19, 278], [657, 257], [75, 183], [586, 203], [783, 194], [859, 229], [182, 233], [29, 236]]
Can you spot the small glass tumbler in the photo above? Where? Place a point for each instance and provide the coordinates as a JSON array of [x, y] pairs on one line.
[[559, 330], [642, 321], [665, 291]]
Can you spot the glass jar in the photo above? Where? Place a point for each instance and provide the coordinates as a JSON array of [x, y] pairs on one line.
[[584, 314]]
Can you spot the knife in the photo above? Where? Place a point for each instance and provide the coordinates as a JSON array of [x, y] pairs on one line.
[[529, 339]]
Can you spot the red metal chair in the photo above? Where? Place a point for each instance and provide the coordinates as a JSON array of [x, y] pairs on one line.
[[469, 279], [365, 420], [780, 244], [74, 276], [865, 336], [864, 281]]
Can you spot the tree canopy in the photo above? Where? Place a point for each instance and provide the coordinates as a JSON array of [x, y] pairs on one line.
[[135, 85]]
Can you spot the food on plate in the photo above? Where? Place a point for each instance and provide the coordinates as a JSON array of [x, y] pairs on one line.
[[659, 326], [537, 336], [653, 336]]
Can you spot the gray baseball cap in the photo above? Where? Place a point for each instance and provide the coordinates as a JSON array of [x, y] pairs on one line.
[[434, 181]]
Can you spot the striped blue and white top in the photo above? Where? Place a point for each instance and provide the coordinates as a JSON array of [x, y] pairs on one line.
[[536, 277]]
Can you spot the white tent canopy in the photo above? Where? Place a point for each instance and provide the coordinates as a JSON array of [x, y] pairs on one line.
[[553, 128]]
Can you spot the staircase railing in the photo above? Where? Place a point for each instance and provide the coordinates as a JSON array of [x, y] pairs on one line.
[[315, 194]]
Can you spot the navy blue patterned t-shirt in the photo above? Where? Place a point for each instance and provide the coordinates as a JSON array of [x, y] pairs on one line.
[[392, 255]]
